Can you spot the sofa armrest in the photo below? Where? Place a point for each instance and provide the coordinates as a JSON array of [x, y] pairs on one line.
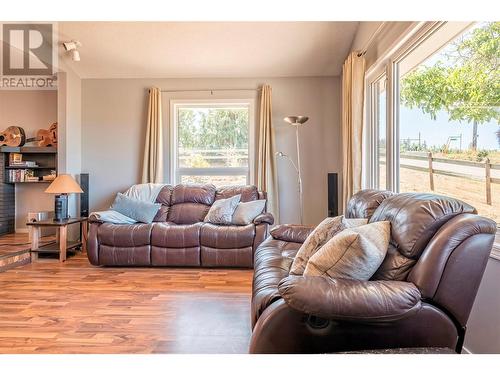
[[291, 232], [93, 243], [353, 300], [264, 218]]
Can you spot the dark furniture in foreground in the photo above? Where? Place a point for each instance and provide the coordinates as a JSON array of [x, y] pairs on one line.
[[421, 296], [61, 245], [178, 236]]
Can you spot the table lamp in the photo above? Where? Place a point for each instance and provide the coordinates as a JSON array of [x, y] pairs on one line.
[[63, 185]]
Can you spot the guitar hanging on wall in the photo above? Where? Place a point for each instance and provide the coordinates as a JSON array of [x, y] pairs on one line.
[[14, 136]]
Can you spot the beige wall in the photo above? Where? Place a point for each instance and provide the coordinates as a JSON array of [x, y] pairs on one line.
[[31, 110], [113, 121]]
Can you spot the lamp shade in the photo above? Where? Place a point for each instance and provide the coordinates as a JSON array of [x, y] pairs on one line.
[[64, 184], [296, 120]]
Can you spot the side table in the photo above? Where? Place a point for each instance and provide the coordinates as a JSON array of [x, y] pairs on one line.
[[61, 245]]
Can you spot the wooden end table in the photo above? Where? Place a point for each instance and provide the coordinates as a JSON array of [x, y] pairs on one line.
[[61, 245]]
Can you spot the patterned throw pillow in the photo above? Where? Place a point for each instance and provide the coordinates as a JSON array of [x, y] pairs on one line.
[[318, 237], [247, 211], [354, 253], [222, 210]]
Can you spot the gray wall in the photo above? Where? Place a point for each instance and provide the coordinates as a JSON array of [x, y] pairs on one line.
[[113, 127], [31, 110], [483, 331]]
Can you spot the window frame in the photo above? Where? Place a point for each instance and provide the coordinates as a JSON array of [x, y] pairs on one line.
[[176, 172], [389, 65]]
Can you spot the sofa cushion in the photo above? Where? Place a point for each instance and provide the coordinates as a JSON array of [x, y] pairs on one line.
[[190, 203], [328, 228], [170, 235], [227, 237], [124, 235], [248, 192], [416, 217], [354, 253], [193, 193], [237, 257], [365, 202], [164, 197]]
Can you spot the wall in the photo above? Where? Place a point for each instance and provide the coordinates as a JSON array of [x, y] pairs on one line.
[[31, 110], [113, 127]]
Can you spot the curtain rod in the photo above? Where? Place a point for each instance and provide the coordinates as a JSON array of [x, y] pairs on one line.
[[212, 90], [369, 42]]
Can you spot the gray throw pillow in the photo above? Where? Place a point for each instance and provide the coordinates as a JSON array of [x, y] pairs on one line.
[[247, 211], [141, 211], [354, 253], [222, 210]]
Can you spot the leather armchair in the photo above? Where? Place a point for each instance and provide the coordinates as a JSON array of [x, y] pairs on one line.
[[421, 296]]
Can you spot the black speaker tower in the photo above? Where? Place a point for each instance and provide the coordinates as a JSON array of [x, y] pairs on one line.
[[333, 191], [84, 197]]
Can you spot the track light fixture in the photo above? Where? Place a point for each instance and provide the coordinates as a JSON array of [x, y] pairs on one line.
[[72, 48]]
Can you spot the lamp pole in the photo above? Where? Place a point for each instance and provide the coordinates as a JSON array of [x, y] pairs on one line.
[[297, 121]]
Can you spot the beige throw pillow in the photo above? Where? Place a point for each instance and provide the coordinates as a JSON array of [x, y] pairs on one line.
[[318, 237], [246, 212], [354, 253]]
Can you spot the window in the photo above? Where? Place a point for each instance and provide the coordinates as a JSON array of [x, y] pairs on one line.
[[443, 113], [212, 142]]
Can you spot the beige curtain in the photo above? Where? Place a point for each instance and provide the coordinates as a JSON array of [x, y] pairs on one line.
[[353, 74], [152, 168], [266, 174]]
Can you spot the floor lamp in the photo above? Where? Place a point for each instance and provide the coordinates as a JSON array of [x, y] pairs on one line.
[[296, 121]]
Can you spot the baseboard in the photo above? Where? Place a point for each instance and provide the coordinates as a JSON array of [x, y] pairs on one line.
[[22, 230]]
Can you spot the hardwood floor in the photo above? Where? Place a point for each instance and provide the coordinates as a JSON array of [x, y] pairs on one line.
[[73, 307]]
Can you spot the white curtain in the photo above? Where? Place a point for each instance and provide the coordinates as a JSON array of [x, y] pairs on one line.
[[152, 168], [353, 74], [266, 175]]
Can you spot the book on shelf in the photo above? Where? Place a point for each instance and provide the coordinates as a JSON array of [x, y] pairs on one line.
[[22, 175]]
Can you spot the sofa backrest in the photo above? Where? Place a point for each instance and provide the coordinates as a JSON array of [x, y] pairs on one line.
[[189, 203], [415, 218], [364, 203]]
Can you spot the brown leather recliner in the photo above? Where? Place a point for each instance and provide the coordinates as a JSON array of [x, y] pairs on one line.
[[421, 295], [178, 236]]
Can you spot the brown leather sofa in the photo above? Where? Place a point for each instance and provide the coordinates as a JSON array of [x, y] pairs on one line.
[[178, 236], [421, 295]]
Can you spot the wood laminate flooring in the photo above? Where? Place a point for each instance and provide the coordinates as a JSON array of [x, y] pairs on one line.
[[74, 307]]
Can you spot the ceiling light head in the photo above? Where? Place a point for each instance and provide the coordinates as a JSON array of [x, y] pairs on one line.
[[72, 48]]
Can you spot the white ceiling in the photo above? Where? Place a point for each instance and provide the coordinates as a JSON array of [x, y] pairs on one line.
[[208, 49]]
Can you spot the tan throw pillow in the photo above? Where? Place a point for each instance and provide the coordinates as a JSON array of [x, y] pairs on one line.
[[318, 237], [354, 253]]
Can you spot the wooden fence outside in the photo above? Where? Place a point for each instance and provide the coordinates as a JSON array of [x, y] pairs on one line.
[[486, 165]]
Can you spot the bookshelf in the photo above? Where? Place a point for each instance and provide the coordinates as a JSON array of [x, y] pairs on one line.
[[45, 159]]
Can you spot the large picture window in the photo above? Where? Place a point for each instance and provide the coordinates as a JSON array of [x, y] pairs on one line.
[[211, 142], [443, 114]]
